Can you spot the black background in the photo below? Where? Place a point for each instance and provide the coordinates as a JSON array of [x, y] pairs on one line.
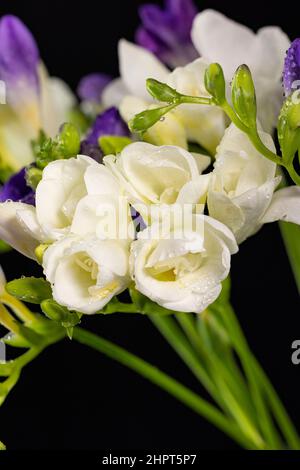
[[73, 398]]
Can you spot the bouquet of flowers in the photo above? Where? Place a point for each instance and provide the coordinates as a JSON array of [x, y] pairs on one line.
[[133, 199]]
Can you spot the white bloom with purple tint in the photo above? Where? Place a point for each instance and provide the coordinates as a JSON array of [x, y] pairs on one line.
[[167, 32], [34, 100], [220, 39]]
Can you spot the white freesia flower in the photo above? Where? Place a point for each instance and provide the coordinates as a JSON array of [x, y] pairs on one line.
[[202, 124], [160, 175], [86, 273], [182, 270], [241, 192], [77, 196], [220, 39], [17, 129]]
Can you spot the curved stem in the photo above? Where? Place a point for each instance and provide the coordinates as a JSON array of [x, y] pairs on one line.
[[167, 383], [257, 375]]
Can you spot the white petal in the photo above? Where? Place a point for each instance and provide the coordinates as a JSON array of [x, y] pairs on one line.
[[136, 65], [285, 206], [100, 181], [15, 149], [223, 232], [194, 192], [203, 161], [57, 100], [58, 193], [222, 208], [13, 230], [54, 254], [222, 40], [253, 204], [113, 93], [272, 44]]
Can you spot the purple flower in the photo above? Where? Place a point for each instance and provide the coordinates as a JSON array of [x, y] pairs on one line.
[[107, 123], [16, 189], [167, 32], [91, 86], [19, 59], [291, 71]]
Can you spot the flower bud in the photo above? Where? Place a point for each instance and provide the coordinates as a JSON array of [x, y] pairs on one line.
[[69, 140], [161, 91], [215, 82], [243, 96], [146, 119], [289, 129], [30, 289]]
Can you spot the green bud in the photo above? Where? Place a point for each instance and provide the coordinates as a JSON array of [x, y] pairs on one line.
[[289, 129], [146, 119], [79, 120], [243, 96], [30, 289], [161, 91], [215, 82], [112, 144], [60, 314], [69, 140], [16, 341], [33, 176]]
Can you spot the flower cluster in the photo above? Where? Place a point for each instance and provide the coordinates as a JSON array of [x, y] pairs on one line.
[[198, 186]]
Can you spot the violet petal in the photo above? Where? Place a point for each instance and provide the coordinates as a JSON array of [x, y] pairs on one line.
[[291, 71], [16, 189], [167, 32], [19, 57], [91, 86], [107, 123]]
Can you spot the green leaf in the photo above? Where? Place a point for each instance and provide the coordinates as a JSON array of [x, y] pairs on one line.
[[161, 91], [146, 119], [30, 289], [79, 120], [215, 83], [60, 314], [112, 144], [243, 96]]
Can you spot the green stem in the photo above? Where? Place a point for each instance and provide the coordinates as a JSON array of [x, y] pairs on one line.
[[167, 383], [221, 393], [291, 237], [237, 398], [257, 376]]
